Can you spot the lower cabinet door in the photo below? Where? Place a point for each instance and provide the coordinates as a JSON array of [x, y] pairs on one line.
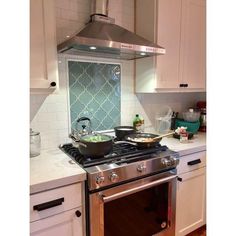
[[68, 223], [191, 201]]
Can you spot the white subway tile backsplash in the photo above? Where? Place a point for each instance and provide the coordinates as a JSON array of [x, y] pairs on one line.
[[61, 116]]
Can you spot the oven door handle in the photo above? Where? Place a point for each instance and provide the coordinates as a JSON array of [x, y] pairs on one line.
[[135, 189]]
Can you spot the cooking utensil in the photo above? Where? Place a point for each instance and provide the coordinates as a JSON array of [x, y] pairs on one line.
[[93, 145], [122, 131], [145, 140], [86, 127]]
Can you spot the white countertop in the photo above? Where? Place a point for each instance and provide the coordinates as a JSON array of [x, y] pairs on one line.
[[196, 144], [53, 168]]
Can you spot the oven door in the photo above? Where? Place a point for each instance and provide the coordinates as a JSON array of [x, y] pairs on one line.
[[144, 207]]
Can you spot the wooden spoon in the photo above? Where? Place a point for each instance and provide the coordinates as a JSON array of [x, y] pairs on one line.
[[162, 136]]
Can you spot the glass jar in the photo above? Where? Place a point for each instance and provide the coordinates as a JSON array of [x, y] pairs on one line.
[[35, 143]]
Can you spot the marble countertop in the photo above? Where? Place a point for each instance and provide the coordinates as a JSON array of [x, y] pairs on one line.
[[52, 169]]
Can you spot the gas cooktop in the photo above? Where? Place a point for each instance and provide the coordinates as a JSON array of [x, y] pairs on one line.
[[124, 163], [122, 152]]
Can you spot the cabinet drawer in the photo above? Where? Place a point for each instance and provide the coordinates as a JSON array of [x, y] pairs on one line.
[[66, 223], [54, 201], [191, 162]]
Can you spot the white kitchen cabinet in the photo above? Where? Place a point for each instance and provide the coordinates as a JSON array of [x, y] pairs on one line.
[[193, 44], [43, 47], [179, 26], [57, 212], [191, 193]]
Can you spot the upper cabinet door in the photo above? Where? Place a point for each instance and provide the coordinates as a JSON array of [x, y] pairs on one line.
[[168, 32], [159, 21], [193, 44], [43, 51], [178, 26]]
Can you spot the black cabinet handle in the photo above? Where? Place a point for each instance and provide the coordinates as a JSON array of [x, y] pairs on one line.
[[181, 85], [53, 84], [179, 179], [46, 205], [194, 162], [78, 213]]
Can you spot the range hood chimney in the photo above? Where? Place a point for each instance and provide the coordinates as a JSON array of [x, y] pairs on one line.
[[101, 37]]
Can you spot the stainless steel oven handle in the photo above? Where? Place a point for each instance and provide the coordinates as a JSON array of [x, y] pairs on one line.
[[136, 189]]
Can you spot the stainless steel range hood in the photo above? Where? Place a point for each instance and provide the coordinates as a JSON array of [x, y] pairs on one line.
[[102, 38]]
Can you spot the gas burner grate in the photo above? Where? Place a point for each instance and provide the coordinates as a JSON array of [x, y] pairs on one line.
[[122, 152]]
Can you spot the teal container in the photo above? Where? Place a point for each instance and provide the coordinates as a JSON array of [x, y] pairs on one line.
[[192, 127]]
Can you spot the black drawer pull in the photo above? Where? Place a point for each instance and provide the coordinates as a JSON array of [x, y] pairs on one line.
[[181, 85], [194, 162], [46, 205], [179, 179]]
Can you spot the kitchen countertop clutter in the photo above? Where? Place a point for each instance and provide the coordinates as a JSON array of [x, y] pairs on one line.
[[196, 144]]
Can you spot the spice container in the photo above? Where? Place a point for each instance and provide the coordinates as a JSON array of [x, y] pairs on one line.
[[35, 143]]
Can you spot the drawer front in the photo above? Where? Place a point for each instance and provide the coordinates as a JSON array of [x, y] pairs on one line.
[[54, 201], [63, 224], [191, 162]]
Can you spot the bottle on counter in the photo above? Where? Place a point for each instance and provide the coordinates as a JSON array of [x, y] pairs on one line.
[[142, 124], [137, 123]]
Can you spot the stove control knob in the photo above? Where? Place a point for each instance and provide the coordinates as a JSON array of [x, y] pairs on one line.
[[113, 177], [166, 162], [174, 160], [141, 168], [100, 179]]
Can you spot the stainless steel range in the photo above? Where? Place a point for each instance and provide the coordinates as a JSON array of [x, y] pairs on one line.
[[130, 191]]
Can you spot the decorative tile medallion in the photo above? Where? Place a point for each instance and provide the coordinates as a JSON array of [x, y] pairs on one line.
[[94, 92]]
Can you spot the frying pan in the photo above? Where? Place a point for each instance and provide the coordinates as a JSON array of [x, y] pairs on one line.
[[152, 139]]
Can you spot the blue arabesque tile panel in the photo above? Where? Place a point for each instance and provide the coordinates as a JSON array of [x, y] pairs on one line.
[[94, 92]]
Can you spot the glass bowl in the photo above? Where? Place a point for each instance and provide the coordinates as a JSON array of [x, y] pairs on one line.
[[191, 116]]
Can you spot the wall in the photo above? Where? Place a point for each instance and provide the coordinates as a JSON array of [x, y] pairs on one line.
[[49, 113]]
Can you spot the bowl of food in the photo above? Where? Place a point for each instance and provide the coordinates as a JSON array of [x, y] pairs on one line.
[[191, 115]]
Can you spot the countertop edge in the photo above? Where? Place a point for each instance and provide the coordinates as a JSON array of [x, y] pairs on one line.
[[44, 186], [191, 150]]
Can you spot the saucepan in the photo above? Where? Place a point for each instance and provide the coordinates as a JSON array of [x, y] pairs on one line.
[[93, 145], [122, 131]]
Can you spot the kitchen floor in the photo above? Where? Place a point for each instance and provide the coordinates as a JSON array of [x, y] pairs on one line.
[[199, 232]]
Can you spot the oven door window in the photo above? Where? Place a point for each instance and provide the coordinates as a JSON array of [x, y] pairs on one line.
[[144, 213]]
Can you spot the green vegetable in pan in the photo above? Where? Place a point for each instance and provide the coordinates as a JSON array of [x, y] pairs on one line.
[[96, 138]]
